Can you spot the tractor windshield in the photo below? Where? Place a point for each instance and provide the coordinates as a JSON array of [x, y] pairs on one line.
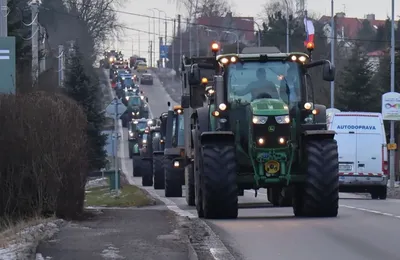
[[181, 133], [274, 79], [134, 101], [141, 126]]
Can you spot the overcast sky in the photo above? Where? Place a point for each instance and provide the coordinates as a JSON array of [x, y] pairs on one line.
[[353, 8]]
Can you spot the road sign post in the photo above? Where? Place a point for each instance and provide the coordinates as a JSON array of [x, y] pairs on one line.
[[115, 109], [391, 112]]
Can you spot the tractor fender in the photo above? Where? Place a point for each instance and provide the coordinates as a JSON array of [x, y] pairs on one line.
[[319, 134], [203, 117], [320, 118], [225, 138], [173, 152]]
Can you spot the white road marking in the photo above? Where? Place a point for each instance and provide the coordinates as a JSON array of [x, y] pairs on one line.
[[350, 207]]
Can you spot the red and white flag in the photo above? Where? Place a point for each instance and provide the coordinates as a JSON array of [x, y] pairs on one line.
[[310, 30]]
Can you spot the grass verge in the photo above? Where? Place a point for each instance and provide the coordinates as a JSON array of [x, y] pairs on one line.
[[130, 196]]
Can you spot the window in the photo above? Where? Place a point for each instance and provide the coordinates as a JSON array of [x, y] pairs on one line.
[[134, 101], [128, 81], [181, 131], [141, 125], [246, 81]]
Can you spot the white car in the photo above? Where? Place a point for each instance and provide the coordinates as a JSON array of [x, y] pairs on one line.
[[363, 157]]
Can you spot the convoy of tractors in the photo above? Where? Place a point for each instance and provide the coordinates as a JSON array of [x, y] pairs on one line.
[[223, 139]]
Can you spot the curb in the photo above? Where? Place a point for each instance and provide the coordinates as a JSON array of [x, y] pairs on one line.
[[192, 255]]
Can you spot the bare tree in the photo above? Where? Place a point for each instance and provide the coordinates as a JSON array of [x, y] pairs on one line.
[[272, 7], [99, 17], [205, 8]]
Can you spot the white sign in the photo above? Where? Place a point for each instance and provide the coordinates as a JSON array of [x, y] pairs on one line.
[[391, 106], [115, 106]]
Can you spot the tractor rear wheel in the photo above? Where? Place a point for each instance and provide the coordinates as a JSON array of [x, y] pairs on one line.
[[189, 182], [158, 172], [173, 187], [146, 168], [136, 161], [218, 182], [319, 195]]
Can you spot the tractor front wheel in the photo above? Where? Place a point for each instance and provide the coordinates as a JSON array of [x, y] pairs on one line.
[[319, 195], [146, 168], [158, 172], [218, 182], [173, 187], [136, 161], [189, 184]]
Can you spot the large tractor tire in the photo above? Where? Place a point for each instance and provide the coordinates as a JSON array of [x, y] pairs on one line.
[[136, 162], [189, 184], [319, 196], [218, 182], [158, 172], [173, 187], [146, 168]]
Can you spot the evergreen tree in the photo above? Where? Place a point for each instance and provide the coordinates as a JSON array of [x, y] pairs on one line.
[[366, 34], [356, 90], [85, 90]]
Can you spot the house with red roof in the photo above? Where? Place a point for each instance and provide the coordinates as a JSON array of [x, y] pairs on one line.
[[241, 26], [347, 29]]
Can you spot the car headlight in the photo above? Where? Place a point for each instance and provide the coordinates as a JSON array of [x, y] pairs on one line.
[[282, 119], [260, 120]]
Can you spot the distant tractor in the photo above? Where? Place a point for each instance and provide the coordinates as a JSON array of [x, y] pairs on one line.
[[263, 130]]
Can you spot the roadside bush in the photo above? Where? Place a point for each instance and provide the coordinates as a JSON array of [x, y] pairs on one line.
[[43, 160]]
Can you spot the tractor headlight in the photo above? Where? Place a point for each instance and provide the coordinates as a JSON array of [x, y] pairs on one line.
[[130, 133], [145, 141], [308, 106], [127, 98], [222, 107], [123, 78], [141, 97], [281, 140], [133, 113], [135, 122], [282, 119], [176, 164], [260, 120], [260, 141]]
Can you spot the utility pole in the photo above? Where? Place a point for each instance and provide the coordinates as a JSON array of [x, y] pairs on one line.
[[139, 54], [160, 40], [333, 42], [190, 36], [197, 41], [166, 41], [151, 53], [149, 49], [3, 18], [154, 41], [392, 84], [180, 39], [287, 28], [173, 46], [35, 43], [61, 59]]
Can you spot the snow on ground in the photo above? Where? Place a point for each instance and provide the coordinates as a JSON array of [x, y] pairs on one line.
[[22, 246], [99, 182]]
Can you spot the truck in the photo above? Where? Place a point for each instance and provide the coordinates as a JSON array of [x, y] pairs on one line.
[[263, 130], [363, 155]]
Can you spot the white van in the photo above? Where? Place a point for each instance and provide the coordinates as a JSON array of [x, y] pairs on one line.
[[363, 159]]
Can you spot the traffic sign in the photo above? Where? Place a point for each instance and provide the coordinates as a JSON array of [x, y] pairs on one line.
[[163, 51], [115, 108]]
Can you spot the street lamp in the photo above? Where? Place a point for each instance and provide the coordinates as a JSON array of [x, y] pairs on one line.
[[154, 33], [237, 40], [210, 30], [259, 30], [287, 27]]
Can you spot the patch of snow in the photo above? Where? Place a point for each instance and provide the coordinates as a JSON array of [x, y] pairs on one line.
[[25, 242], [100, 182], [111, 252]]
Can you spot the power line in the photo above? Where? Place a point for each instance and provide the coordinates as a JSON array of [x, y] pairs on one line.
[[317, 35]]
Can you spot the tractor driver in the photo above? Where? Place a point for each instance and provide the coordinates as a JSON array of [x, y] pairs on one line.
[[261, 88], [290, 83]]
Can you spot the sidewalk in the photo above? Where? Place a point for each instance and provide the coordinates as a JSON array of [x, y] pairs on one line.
[[150, 233]]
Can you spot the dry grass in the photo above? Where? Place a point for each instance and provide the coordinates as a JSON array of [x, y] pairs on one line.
[[9, 229]]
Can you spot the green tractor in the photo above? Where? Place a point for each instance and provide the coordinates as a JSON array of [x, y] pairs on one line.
[[135, 132], [264, 130], [140, 131], [137, 107], [152, 155], [174, 152]]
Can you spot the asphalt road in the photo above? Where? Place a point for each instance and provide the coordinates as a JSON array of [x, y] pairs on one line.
[[364, 230]]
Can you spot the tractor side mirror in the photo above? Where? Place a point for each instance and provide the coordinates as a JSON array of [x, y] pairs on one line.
[[328, 72], [185, 101], [194, 77], [147, 99]]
